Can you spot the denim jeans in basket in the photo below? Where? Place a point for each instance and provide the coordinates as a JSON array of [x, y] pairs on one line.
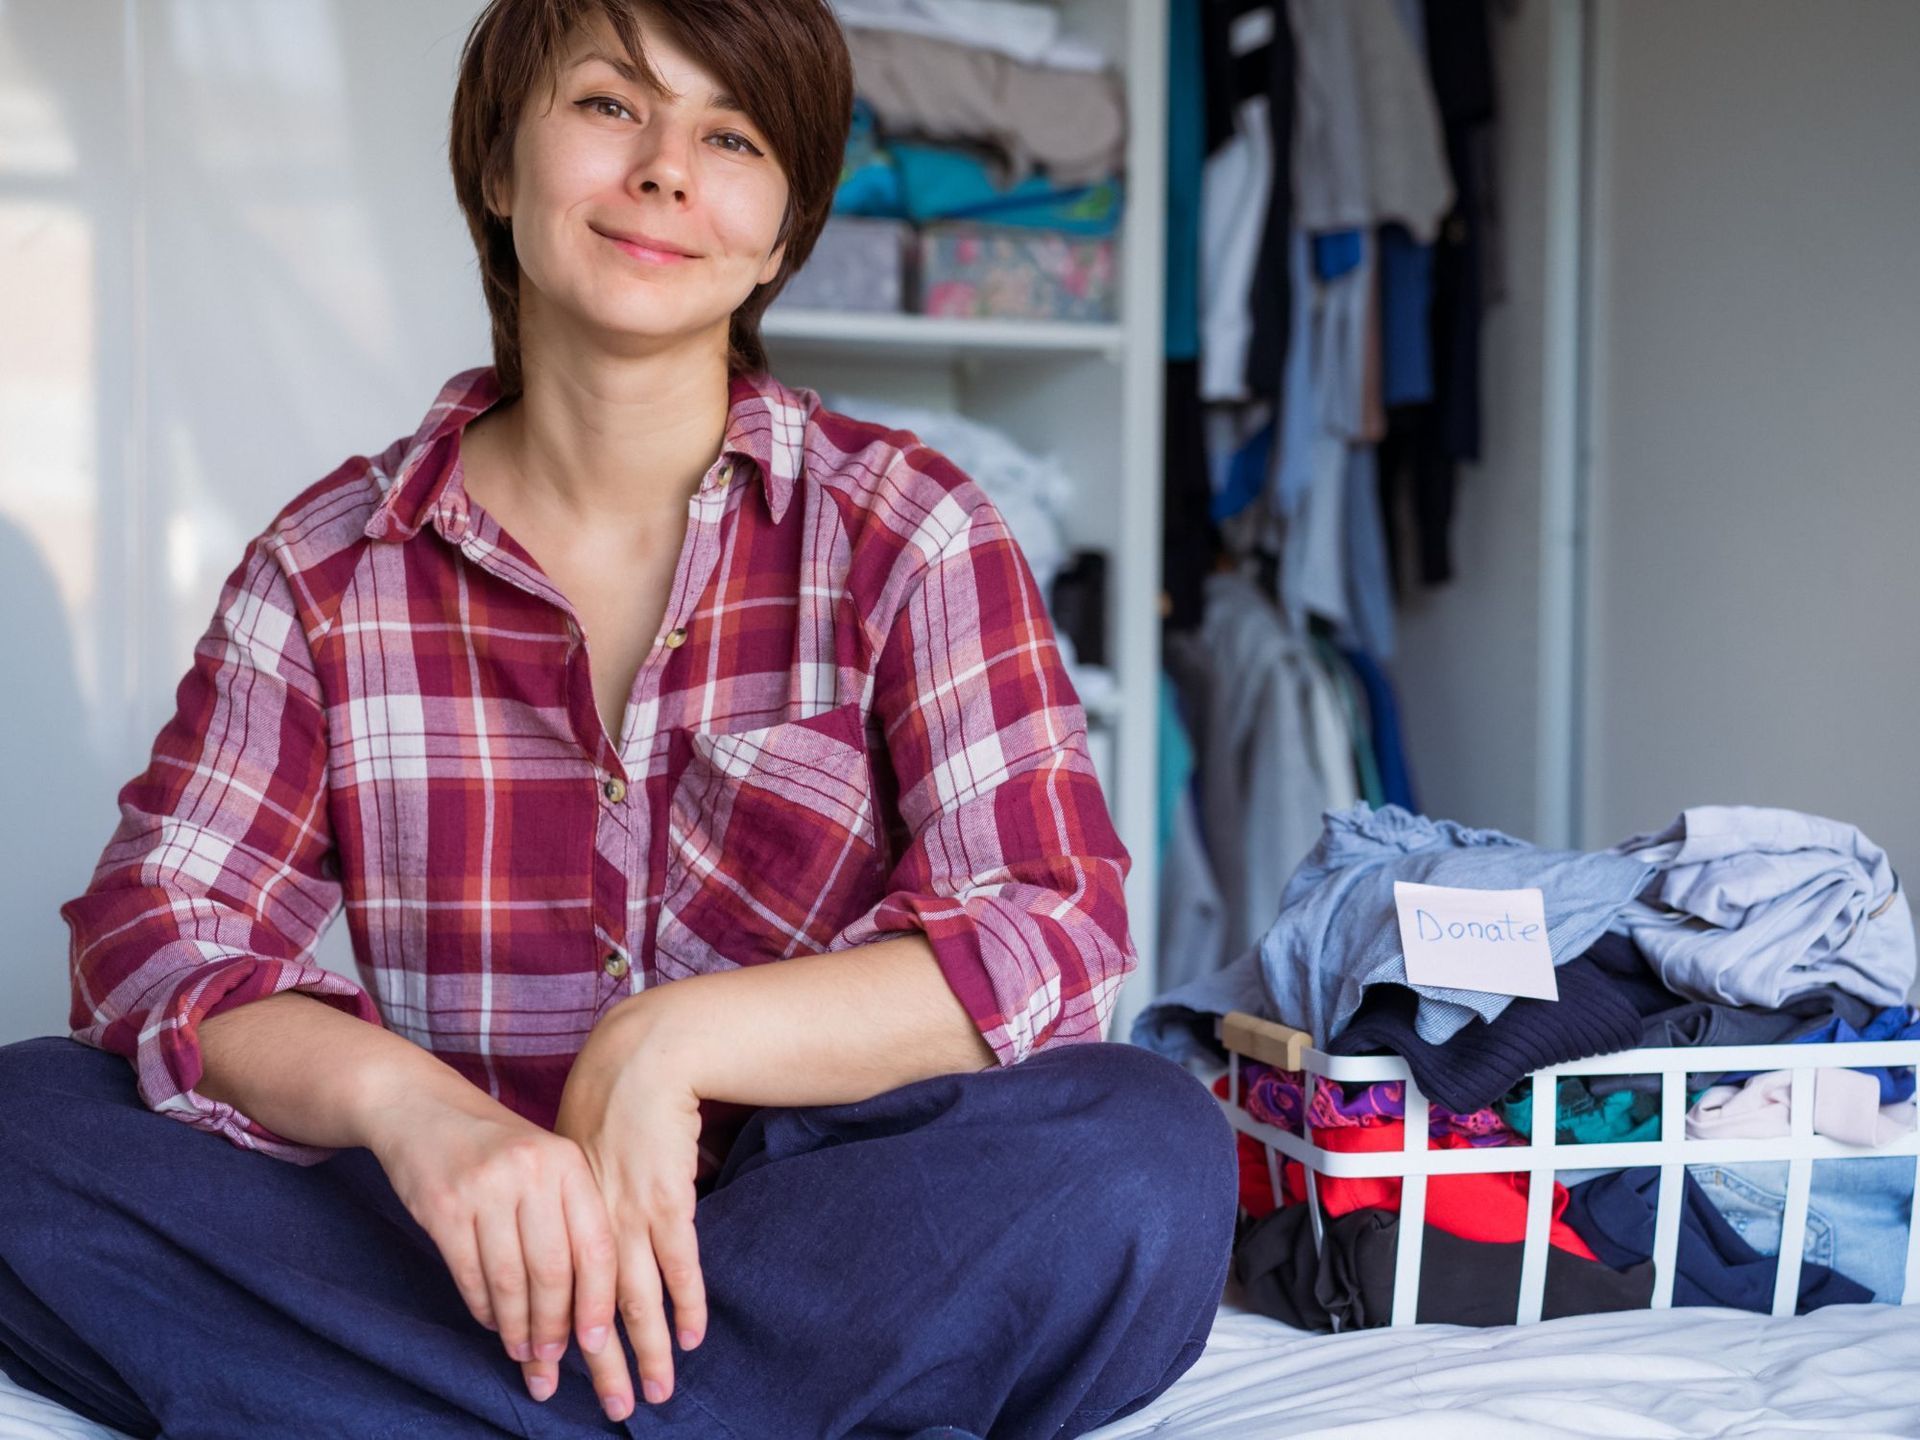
[[1857, 1213]]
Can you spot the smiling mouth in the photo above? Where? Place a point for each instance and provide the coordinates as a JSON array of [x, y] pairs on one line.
[[647, 254]]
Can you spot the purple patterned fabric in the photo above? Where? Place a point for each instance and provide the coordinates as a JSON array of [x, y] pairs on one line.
[[1276, 1097]]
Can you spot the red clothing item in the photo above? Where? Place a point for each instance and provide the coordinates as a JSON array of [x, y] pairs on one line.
[[1487, 1208], [855, 723]]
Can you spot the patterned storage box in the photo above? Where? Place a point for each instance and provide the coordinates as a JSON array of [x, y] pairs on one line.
[[858, 263], [1014, 272]]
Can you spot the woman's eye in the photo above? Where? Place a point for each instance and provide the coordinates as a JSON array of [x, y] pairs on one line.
[[593, 103]]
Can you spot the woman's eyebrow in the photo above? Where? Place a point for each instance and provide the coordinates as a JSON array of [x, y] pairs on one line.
[[617, 62], [718, 100]]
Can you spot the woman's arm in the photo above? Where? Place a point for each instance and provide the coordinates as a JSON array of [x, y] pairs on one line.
[[221, 875], [312, 1073], [812, 1030]]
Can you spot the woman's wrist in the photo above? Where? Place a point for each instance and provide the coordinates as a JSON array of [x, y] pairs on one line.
[[654, 1029], [405, 1082]]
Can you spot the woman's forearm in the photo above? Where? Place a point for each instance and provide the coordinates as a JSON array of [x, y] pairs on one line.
[[310, 1072]]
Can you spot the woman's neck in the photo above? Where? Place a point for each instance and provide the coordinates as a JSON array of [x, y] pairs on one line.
[[613, 446]]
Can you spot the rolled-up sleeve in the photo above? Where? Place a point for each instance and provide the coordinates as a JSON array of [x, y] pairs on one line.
[[220, 877], [1014, 871]]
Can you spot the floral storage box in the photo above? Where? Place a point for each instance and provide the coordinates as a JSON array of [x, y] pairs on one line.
[[1014, 272], [858, 263]]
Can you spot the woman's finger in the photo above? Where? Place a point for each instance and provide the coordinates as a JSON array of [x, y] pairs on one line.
[[548, 1249], [461, 1251], [677, 1247], [644, 1312], [498, 1230], [596, 1276], [549, 1259]]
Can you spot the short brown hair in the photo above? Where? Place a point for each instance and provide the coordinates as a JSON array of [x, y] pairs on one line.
[[786, 60]]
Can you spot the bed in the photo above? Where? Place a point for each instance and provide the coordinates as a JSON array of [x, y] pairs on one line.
[[1848, 1369]]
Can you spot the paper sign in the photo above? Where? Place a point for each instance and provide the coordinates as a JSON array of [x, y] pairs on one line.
[[1492, 940]]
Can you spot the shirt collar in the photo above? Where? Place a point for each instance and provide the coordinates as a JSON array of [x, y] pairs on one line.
[[766, 424]]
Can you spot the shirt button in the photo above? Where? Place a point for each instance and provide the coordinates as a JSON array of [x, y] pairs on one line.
[[676, 638], [614, 789], [615, 964]]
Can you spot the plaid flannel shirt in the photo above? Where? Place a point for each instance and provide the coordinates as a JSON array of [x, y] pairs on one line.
[[855, 722]]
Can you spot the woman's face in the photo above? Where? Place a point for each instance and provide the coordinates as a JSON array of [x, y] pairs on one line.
[[609, 157]]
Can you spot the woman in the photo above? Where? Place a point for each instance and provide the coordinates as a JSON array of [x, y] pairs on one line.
[[631, 671]]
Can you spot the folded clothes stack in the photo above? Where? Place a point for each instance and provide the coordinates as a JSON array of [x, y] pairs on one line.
[[1735, 925], [984, 171]]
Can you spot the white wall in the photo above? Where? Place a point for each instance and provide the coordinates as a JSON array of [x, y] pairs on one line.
[[1468, 667], [229, 252], [1751, 394], [1755, 482]]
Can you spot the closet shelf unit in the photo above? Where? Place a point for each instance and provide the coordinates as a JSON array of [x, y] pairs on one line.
[[1090, 395], [938, 337]]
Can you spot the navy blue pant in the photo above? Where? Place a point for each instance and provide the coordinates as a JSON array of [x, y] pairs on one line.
[[1025, 1252]]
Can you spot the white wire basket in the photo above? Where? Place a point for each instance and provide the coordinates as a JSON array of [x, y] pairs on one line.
[[1249, 1037]]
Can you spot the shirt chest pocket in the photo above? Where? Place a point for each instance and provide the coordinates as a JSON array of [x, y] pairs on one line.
[[771, 842]]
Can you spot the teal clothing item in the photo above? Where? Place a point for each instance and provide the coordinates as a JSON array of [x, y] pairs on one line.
[[1583, 1118], [1176, 763], [953, 182], [1186, 157], [869, 184]]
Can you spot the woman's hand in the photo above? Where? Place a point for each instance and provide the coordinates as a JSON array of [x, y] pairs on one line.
[[636, 1119], [518, 1216]]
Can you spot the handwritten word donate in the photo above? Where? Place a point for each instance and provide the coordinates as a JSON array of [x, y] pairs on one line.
[[1489, 940], [1505, 928]]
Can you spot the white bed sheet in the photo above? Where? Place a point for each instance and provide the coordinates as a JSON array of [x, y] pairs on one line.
[[1850, 1370]]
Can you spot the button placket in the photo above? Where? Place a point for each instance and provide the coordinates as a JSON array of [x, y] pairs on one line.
[[700, 554]]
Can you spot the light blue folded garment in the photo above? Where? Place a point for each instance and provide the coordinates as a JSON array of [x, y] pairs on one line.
[[1338, 930], [1753, 906], [1179, 1023]]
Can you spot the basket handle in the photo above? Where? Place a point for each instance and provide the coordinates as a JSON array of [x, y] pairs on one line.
[[1265, 1040]]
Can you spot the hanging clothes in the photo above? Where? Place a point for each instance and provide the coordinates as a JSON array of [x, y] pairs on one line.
[[1427, 439], [1233, 198], [1369, 147], [1192, 916], [1266, 727], [1383, 714], [1353, 709], [1271, 299]]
